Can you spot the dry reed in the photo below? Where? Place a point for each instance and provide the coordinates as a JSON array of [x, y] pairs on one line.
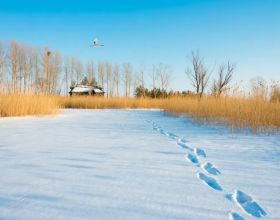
[[254, 113], [22, 105]]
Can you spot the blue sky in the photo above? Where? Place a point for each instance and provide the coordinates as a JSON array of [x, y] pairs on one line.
[[152, 31]]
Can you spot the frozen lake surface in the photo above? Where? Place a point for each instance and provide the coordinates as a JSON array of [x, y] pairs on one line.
[[134, 164]]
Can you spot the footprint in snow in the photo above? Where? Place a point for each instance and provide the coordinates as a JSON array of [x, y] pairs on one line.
[[172, 136], [235, 216], [184, 145], [210, 168], [199, 152], [192, 158], [209, 181], [246, 203], [162, 131], [182, 140], [157, 128]]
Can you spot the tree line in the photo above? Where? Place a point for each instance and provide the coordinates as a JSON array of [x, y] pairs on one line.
[[25, 69], [199, 77]]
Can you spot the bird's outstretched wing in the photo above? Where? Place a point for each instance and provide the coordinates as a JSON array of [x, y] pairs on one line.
[[96, 43]]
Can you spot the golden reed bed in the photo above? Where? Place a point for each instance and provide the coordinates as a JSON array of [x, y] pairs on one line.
[[254, 113], [23, 105]]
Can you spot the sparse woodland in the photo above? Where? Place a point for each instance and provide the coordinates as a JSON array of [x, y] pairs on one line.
[[35, 81], [28, 70]]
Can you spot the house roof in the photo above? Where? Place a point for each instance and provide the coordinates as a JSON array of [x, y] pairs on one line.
[[82, 88], [98, 90]]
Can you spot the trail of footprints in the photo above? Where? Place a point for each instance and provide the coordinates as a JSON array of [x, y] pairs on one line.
[[194, 156]]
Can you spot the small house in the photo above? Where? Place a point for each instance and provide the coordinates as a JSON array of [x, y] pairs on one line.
[[83, 90]]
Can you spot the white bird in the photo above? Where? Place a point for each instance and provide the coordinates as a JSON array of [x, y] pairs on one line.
[[96, 43]]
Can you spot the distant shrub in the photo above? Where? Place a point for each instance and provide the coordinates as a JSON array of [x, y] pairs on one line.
[[157, 93], [275, 92], [259, 88]]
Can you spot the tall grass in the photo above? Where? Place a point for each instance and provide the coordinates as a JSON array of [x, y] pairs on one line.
[[22, 105], [108, 103], [255, 113]]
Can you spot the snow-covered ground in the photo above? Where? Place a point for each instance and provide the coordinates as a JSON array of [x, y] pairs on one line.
[[134, 164]]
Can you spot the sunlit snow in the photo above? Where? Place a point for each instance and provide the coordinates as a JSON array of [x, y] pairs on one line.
[[135, 164]]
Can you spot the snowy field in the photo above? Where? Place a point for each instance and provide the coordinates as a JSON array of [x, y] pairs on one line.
[[134, 164]]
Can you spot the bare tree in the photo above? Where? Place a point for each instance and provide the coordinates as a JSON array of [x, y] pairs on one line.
[[40, 68], [91, 71], [101, 74], [55, 70], [14, 64], [67, 67], [154, 76], [78, 70], [127, 78], [21, 64], [51, 71], [28, 67], [259, 88], [116, 79], [198, 74], [2, 66], [140, 78], [36, 71], [45, 78], [108, 79], [135, 81], [225, 73], [164, 76], [72, 71], [275, 91]]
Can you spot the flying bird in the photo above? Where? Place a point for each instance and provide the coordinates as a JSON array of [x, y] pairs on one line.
[[96, 43]]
